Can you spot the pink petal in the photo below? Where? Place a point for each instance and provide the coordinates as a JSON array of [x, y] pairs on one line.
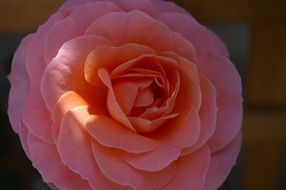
[[47, 161], [192, 171], [227, 82], [114, 168], [221, 163], [75, 150], [198, 35], [122, 28], [19, 85], [74, 25], [110, 57], [112, 105], [65, 72], [208, 113], [109, 133]]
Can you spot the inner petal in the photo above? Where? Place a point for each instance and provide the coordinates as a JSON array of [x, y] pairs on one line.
[[144, 98]]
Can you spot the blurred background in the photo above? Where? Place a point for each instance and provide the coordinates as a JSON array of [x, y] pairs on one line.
[[255, 34]]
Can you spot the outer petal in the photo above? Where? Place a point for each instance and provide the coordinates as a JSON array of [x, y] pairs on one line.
[[122, 28], [229, 100], [19, 85], [74, 25], [46, 159], [75, 151], [221, 163], [65, 72], [198, 35], [192, 171], [208, 114], [117, 170], [167, 6]]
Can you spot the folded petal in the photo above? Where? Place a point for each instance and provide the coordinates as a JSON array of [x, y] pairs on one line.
[[192, 171], [117, 170], [221, 163], [229, 100], [109, 133]]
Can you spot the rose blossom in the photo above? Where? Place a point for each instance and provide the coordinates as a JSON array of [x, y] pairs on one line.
[[120, 94]]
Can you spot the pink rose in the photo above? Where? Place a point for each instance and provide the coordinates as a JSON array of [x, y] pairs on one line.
[[120, 94]]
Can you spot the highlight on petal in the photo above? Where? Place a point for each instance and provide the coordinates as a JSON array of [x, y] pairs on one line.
[[66, 71], [75, 151], [111, 134], [117, 170]]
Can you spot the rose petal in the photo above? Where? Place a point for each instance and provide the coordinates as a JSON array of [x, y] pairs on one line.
[[111, 134], [229, 100], [74, 25], [19, 85], [192, 171], [112, 105], [65, 72], [198, 35], [122, 28], [114, 168], [221, 163], [110, 57], [144, 98], [75, 151], [167, 6], [208, 113], [47, 161]]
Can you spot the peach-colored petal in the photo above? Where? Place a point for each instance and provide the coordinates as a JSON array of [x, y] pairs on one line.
[[74, 25], [75, 150], [181, 132], [109, 133], [47, 161], [112, 105], [208, 113], [23, 133], [19, 85], [72, 99], [109, 57], [65, 72], [221, 163], [198, 35], [117, 170], [122, 28], [192, 171], [146, 126], [229, 100]]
